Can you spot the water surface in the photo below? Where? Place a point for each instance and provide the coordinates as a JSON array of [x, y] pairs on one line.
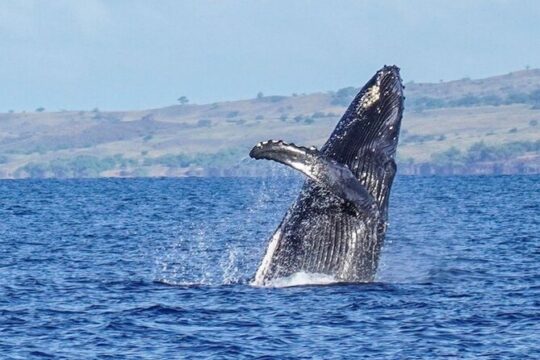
[[159, 268]]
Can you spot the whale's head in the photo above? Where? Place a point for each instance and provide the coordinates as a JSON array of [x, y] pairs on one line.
[[385, 85], [372, 121]]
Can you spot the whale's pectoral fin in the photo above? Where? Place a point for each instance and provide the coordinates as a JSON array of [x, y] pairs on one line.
[[331, 175], [297, 157]]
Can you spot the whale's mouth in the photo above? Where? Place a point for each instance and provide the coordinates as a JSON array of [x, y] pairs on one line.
[[302, 278]]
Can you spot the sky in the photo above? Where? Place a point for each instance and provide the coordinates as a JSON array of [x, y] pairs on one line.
[[130, 54]]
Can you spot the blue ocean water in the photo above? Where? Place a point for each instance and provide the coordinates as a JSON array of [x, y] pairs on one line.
[[160, 268]]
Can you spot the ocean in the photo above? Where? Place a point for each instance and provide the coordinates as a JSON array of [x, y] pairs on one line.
[[160, 269]]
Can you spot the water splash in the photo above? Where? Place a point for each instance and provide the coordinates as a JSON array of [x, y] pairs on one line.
[[184, 261], [230, 266], [302, 278], [196, 255]]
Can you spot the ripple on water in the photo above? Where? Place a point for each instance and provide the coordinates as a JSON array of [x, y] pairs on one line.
[[160, 268]]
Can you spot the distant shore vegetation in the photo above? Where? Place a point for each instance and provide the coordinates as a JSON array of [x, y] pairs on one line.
[[481, 152], [86, 166]]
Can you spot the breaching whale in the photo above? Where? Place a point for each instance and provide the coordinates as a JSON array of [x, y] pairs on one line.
[[337, 224]]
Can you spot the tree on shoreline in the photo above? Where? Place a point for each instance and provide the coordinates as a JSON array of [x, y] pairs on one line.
[[183, 100]]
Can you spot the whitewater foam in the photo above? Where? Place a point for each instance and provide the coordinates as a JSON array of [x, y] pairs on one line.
[[302, 278]]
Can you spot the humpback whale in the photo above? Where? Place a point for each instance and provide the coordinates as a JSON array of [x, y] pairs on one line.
[[337, 224]]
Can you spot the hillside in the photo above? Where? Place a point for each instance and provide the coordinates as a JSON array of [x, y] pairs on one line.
[[466, 126]]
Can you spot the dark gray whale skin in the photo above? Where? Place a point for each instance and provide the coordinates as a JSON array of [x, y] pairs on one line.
[[337, 224]]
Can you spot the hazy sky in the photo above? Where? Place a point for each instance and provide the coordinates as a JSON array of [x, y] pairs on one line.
[[68, 54]]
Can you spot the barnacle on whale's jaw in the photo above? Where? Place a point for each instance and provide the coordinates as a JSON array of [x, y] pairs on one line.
[[385, 83]]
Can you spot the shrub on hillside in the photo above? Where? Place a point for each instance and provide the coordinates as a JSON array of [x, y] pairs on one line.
[[535, 99], [343, 97], [204, 123]]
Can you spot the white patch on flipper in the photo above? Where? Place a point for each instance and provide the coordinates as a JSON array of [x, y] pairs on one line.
[[302, 278]]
